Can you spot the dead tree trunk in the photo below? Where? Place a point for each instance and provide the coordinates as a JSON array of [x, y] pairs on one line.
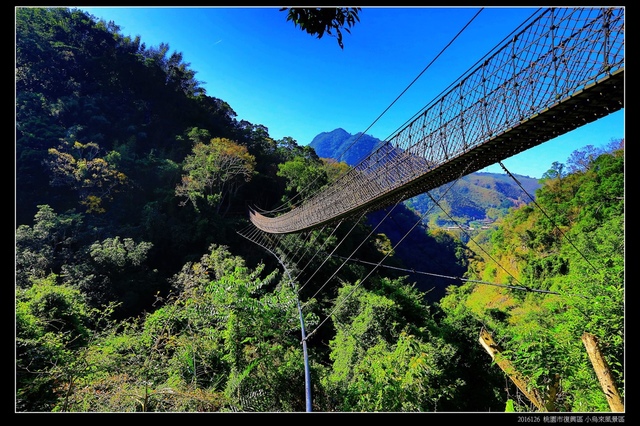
[[602, 371], [494, 350]]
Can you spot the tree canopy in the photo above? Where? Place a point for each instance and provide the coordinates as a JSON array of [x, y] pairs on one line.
[[320, 20]]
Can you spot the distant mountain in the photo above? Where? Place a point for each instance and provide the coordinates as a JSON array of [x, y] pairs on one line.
[[477, 197], [343, 146]]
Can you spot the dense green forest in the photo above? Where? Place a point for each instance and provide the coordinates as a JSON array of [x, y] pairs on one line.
[[134, 291]]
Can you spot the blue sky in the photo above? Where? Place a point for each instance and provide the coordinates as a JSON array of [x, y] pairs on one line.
[[395, 61]]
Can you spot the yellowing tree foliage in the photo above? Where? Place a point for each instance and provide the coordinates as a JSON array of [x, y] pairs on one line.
[[214, 172], [79, 167]]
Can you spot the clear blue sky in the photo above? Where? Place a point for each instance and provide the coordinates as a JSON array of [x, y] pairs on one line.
[[274, 74]]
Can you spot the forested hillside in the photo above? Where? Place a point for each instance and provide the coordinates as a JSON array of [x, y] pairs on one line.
[[134, 291]]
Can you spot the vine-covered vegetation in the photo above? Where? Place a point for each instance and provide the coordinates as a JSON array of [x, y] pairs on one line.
[[134, 291]]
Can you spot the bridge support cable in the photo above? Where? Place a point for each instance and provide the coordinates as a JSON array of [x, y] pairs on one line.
[[354, 250], [478, 245], [564, 235], [318, 250], [437, 203], [562, 71], [377, 265], [355, 224], [255, 237], [303, 247], [458, 279]]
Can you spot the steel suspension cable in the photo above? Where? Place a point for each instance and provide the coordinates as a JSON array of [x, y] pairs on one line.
[[548, 217], [319, 249], [307, 373], [333, 251], [420, 219], [478, 245], [357, 248], [460, 279], [282, 207]]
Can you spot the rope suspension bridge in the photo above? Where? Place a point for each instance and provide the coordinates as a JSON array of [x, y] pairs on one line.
[[565, 69]]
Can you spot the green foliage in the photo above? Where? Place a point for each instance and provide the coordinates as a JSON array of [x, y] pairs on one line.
[[509, 408], [317, 21], [114, 270], [47, 246], [383, 359], [573, 246], [213, 346], [214, 172], [118, 254], [304, 177], [95, 178], [53, 326]]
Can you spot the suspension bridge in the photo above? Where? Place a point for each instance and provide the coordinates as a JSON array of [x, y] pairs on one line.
[[563, 70]]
